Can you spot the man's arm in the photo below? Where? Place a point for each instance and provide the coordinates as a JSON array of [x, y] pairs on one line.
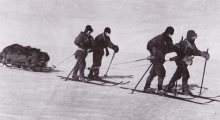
[[112, 46], [200, 53], [197, 52]]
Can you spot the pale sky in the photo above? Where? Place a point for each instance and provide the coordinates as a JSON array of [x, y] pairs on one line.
[[133, 22]]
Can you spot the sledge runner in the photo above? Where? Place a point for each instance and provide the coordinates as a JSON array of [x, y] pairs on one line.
[[84, 42], [158, 47], [187, 49], [102, 41]]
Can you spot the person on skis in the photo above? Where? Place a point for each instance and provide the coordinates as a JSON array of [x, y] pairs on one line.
[[84, 41], [102, 41], [158, 47], [186, 50]]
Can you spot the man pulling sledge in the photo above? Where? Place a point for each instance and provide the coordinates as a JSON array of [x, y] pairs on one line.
[[102, 41], [186, 50], [158, 47], [84, 41]]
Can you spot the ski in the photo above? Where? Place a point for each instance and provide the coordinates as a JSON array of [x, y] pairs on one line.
[[170, 96], [117, 83], [88, 82], [202, 97], [110, 82], [208, 98], [104, 82], [123, 83]]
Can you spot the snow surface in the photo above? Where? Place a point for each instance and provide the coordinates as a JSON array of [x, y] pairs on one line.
[[53, 25], [34, 95]]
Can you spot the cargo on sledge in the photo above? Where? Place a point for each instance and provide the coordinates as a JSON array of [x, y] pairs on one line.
[[27, 58]]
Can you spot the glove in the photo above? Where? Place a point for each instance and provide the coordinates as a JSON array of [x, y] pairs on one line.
[[205, 55], [188, 60], [106, 52], [89, 50], [151, 57], [115, 48], [173, 58]]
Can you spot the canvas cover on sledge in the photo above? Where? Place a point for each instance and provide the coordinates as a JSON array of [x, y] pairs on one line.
[[24, 57]]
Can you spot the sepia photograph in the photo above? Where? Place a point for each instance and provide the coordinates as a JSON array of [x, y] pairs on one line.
[[109, 60]]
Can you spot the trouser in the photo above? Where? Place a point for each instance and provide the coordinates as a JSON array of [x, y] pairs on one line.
[[80, 63], [97, 62], [157, 70], [181, 71]]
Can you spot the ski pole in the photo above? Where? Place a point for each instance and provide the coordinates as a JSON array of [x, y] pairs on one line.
[[203, 74], [68, 75], [144, 75], [109, 64]]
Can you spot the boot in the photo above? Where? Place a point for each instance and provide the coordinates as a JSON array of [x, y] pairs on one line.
[[159, 86], [75, 78], [148, 83], [97, 78], [83, 79], [91, 73], [149, 90], [160, 90], [90, 76], [169, 89], [186, 90]]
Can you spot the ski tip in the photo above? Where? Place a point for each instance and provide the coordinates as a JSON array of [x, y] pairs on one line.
[[54, 66]]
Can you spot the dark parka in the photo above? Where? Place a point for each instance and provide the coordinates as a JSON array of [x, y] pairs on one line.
[[186, 48], [102, 42], [160, 45], [84, 42]]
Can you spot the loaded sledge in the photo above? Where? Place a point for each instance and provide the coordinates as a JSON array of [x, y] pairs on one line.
[[27, 58]]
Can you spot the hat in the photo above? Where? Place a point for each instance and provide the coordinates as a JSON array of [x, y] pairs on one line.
[[190, 34], [108, 30], [169, 30], [88, 28]]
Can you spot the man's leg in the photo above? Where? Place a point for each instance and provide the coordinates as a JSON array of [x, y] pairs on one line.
[[82, 66], [176, 76], [161, 72], [97, 60], [149, 80], [185, 78], [91, 72], [98, 63], [76, 67]]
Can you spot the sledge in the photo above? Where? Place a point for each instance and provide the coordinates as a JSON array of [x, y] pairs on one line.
[[27, 58]]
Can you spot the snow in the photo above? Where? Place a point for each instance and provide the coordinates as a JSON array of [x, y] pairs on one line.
[[53, 25], [34, 95]]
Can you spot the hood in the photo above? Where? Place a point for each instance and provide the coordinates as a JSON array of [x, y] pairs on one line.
[[190, 34]]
